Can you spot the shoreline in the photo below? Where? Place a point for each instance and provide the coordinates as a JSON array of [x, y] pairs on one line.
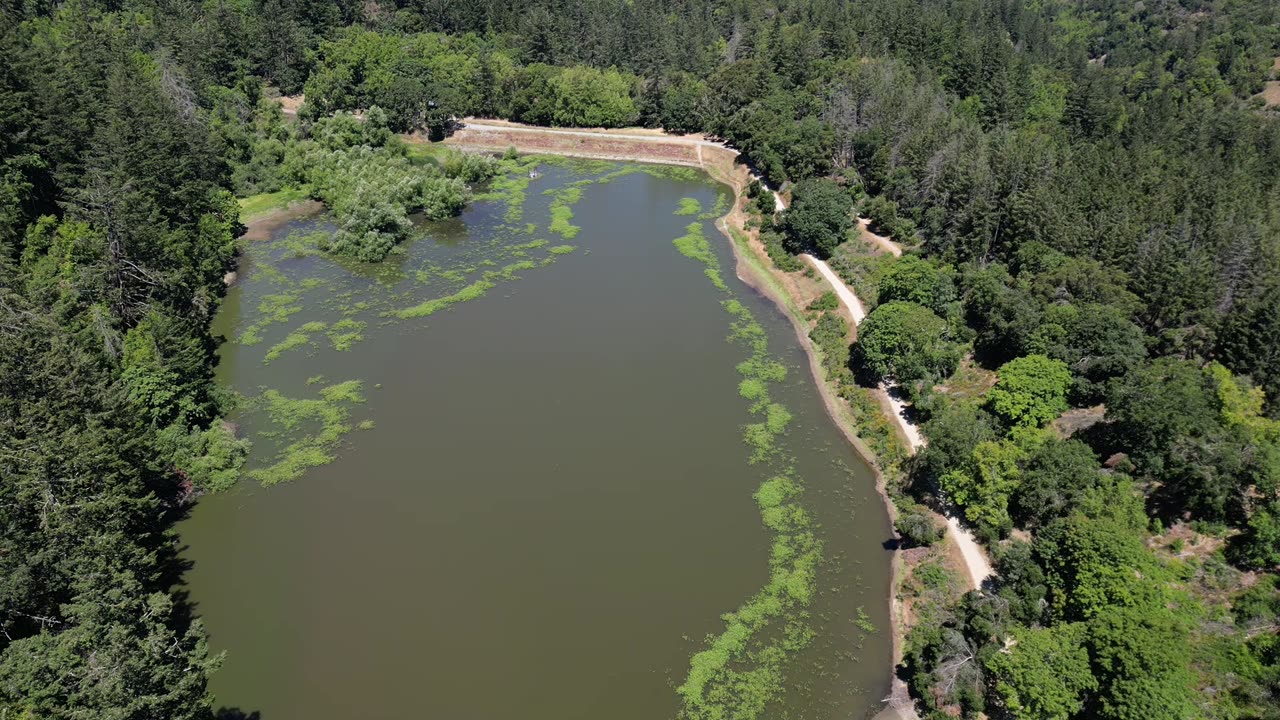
[[720, 164]]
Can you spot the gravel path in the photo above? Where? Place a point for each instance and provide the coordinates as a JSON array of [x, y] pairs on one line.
[[975, 559]]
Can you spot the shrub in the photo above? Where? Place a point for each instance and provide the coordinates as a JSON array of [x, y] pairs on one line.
[[917, 527]]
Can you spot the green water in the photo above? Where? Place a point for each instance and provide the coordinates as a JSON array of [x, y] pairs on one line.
[[550, 505]]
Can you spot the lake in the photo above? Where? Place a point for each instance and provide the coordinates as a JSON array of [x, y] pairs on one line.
[[536, 502]]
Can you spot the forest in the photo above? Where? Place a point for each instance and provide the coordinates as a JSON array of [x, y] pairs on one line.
[[1089, 195]]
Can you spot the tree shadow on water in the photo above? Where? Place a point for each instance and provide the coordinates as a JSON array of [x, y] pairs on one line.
[[236, 714]]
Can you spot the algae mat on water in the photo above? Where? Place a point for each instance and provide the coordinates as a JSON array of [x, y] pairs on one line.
[[741, 670], [290, 273], [558, 471]]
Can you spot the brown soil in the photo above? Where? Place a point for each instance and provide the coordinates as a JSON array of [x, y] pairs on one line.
[[635, 131], [604, 148], [260, 227], [878, 242], [1270, 93], [1074, 421], [289, 104]]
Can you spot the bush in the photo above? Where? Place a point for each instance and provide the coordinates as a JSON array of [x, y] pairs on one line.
[[372, 191], [587, 97], [917, 280], [825, 301], [917, 527], [785, 261], [831, 335], [468, 167]]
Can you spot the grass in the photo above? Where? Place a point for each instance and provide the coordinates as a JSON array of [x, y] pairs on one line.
[[261, 204]]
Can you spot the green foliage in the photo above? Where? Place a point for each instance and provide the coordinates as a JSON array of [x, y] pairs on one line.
[[831, 335], [917, 527], [1055, 481], [982, 488], [371, 192], [826, 301], [819, 217], [1140, 659], [905, 342], [1031, 391], [1093, 171], [421, 80], [1043, 673], [912, 279], [587, 97], [782, 259], [1092, 565], [1258, 547], [323, 422]]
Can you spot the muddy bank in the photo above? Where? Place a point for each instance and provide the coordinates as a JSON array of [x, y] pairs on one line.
[[261, 225]]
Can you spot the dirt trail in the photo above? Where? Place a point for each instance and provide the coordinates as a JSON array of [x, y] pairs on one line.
[[975, 559], [879, 241]]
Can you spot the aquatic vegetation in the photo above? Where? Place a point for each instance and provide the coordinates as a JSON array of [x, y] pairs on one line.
[[693, 244], [299, 245], [475, 290], [676, 172], [345, 333], [295, 339], [689, 206], [371, 191], [325, 417], [510, 185], [719, 209], [305, 431], [508, 272], [272, 309], [608, 177], [863, 621], [740, 670], [562, 212]]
